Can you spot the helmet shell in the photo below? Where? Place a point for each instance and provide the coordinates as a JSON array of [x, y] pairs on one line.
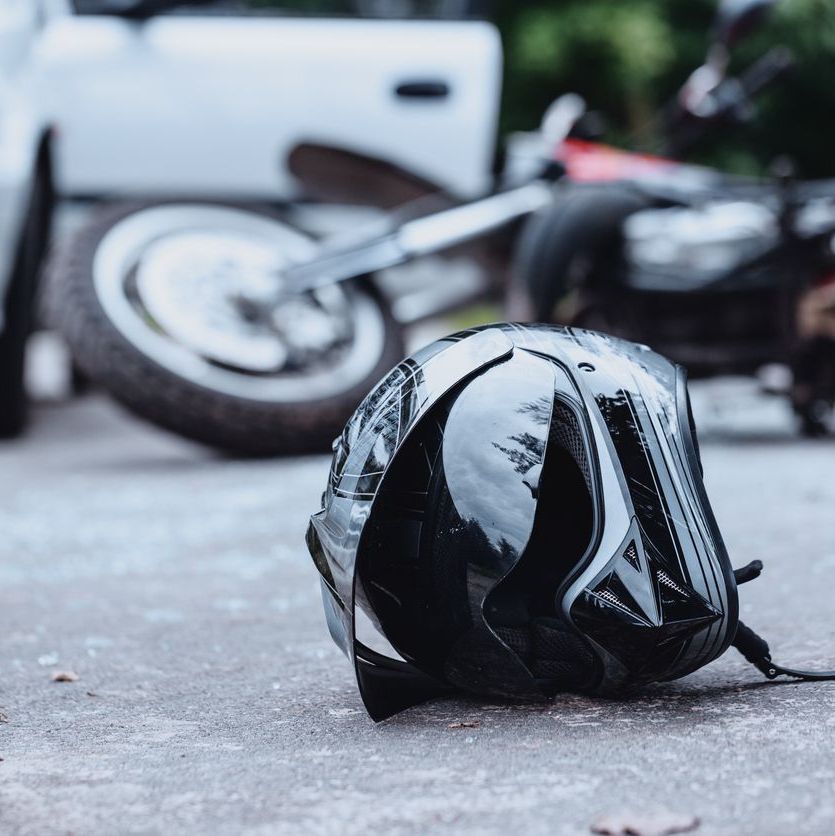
[[551, 470]]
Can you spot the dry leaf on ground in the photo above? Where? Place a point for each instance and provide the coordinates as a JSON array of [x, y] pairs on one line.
[[64, 676], [644, 824]]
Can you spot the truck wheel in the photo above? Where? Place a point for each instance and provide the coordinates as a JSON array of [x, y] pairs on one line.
[[18, 313]]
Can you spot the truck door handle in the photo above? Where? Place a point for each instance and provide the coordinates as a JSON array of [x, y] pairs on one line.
[[429, 88]]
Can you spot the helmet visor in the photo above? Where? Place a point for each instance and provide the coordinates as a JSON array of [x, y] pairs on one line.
[[451, 520]]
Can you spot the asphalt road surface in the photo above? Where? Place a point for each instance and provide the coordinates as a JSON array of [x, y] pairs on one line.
[[175, 584]]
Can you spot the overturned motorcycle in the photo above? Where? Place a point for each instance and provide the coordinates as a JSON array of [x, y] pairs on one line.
[[234, 327]]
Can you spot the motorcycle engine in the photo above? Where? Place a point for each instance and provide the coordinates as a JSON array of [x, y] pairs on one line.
[[684, 248]]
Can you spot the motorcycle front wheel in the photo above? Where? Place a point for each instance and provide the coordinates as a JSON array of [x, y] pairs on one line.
[[163, 305]]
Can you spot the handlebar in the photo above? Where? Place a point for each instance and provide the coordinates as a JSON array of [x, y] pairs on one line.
[[728, 101], [765, 71], [732, 98]]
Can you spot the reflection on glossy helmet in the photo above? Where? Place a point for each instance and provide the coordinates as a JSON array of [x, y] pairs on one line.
[[516, 511]]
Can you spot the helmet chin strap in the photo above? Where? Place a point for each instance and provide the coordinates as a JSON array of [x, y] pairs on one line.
[[755, 649]]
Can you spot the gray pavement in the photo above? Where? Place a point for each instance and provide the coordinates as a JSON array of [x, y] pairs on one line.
[[210, 699]]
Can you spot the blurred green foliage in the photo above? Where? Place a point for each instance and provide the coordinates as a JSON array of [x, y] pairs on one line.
[[627, 58]]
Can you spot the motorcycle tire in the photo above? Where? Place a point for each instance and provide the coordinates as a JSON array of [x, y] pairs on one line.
[[125, 351], [570, 244]]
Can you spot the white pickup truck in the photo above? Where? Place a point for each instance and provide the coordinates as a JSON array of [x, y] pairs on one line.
[[212, 98]]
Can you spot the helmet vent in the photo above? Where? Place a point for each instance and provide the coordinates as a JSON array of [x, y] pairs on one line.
[[565, 432], [610, 597], [630, 555], [665, 580]]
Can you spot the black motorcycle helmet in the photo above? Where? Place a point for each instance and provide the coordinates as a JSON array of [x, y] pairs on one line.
[[518, 510]]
